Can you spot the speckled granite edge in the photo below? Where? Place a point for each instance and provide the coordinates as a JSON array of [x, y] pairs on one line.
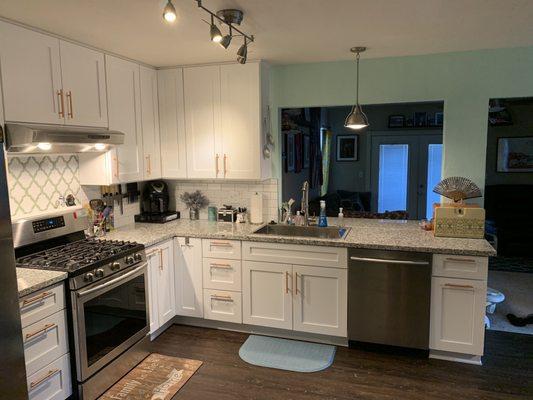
[[31, 280]]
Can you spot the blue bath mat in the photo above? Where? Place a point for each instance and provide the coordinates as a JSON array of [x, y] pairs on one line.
[[290, 355]]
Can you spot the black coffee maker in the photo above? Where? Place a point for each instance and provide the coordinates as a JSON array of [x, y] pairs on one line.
[[154, 204]]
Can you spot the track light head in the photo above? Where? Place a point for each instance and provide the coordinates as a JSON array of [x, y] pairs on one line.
[[242, 53], [226, 40], [216, 35], [169, 12]]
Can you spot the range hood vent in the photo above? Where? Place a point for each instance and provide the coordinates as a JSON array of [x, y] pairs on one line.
[[50, 139]]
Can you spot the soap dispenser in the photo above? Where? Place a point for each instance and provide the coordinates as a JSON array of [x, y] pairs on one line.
[[340, 218], [323, 219]]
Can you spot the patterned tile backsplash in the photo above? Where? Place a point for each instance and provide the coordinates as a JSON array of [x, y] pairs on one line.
[[36, 182]]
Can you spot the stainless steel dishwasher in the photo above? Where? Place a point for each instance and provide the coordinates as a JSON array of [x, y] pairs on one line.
[[389, 298]]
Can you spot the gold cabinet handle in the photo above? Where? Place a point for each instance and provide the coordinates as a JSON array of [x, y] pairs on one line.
[[216, 164], [459, 286], [60, 104], [222, 244], [38, 382], [36, 299], [44, 329], [161, 259], [70, 108], [286, 282], [222, 298], [221, 266], [463, 260], [149, 165], [225, 166], [296, 283]]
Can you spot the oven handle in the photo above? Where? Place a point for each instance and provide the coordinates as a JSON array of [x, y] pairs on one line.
[[111, 282]]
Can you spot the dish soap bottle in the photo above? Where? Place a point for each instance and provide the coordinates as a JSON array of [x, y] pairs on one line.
[[298, 220], [323, 219], [340, 218]]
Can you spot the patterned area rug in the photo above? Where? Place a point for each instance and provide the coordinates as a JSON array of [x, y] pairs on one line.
[[158, 377], [511, 264]]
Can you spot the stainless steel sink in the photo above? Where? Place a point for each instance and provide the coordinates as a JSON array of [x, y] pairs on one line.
[[330, 232]]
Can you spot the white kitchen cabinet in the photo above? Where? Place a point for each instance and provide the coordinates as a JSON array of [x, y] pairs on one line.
[[457, 315], [172, 123], [188, 273], [150, 123], [84, 86], [31, 75], [267, 294], [222, 274], [202, 121], [52, 382], [220, 305], [320, 300]]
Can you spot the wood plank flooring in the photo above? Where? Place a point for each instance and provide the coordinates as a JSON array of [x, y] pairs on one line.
[[507, 372]]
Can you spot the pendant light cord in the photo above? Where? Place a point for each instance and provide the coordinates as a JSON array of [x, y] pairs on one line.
[[357, 81]]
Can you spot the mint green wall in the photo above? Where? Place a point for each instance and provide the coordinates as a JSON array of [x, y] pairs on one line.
[[464, 81]]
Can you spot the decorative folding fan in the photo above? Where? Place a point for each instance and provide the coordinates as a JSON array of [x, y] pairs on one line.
[[457, 188]]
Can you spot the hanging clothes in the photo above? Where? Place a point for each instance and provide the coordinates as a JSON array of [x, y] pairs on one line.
[[327, 138]]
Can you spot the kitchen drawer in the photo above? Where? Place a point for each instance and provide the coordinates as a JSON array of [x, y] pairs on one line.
[[222, 305], [317, 256], [219, 248], [51, 382], [40, 304], [222, 274], [45, 341], [466, 267]]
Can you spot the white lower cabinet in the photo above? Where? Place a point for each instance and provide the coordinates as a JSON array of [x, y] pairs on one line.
[[188, 274], [51, 382], [457, 315], [222, 305], [161, 294]]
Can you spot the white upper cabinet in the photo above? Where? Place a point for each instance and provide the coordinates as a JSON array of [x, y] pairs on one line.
[[172, 123], [31, 75], [202, 121], [241, 120], [150, 124], [124, 109], [84, 89]]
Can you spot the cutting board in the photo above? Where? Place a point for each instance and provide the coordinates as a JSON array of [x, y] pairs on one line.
[[460, 222]]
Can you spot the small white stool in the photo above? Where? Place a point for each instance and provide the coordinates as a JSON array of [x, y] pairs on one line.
[[493, 297]]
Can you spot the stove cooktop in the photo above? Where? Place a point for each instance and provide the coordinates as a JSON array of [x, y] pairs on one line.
[[78, 257]]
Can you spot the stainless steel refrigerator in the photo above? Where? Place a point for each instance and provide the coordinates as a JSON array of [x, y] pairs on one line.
[[12, 368]]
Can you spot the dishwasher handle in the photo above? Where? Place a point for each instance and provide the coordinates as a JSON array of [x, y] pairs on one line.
[[386, 261]]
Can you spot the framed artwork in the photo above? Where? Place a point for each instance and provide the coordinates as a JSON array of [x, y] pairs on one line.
[[347, 147], [420, 119], [515, 154], [396, 121], [290, 152], [307, 151]]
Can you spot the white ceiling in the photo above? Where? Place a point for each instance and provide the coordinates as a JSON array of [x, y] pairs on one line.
[[287, 31]]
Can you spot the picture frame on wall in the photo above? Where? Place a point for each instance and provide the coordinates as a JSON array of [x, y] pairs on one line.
[[396, 121], [420, 119], [306, 151], [347, 147], [515, 154]]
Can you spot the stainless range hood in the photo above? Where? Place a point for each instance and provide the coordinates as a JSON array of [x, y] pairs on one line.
[[31, 139]]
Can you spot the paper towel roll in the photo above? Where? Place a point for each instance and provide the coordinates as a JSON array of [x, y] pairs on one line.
[[256, 208]]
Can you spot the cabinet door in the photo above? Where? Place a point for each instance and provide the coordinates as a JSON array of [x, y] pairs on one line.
[[152, 256], [267, 294], [166, 299], [457, 315], [31, 75], [202, 121], [172, 123], [241, 120], [150, 124], [83, 76], [320, 300], [188, 267], [124, 109]]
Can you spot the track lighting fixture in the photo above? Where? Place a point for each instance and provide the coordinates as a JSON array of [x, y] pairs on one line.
[[216, 35], [226, 39], [169, 12], [242, 53], [357, 118]]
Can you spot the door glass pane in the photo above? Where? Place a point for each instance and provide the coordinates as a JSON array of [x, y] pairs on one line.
[[393, 168], [434, 176]]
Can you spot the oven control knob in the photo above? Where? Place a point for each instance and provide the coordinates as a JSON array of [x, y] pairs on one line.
[[115, 266], [89, 277], [129, 260], [99, 273], [138, 256]]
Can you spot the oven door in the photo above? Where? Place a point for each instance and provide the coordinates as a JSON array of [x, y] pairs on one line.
[[109, 316]]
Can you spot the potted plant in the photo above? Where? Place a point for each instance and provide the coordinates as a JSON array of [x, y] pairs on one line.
[[195, 201]]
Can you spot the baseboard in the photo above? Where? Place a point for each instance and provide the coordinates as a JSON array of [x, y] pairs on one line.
[[455, 357], [261, 330], [161, 329]]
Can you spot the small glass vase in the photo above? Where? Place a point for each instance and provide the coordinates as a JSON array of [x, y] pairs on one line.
[[194, 214]]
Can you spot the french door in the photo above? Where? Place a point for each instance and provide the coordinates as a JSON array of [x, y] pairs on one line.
[[404, 170]]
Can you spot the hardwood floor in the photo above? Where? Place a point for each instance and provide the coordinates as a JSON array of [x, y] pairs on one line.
[[507, 372]]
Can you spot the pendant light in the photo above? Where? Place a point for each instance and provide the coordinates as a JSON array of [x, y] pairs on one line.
[[169, 12], [216, 35], [357, 118]]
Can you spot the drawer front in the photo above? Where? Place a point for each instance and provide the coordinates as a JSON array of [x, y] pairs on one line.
[[317, 256], [221, 305], [51, 382], [466, 267], [222, 274], [43, 303], [219, 248], [45, 341]]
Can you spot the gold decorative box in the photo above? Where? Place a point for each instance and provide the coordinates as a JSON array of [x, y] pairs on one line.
[[459, 222]]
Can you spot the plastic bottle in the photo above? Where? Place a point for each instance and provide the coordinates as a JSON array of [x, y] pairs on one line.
[[340, 218], [298, 220], [322, 219]]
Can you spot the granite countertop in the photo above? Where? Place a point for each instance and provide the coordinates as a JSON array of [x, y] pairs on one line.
[[30, 280], [365, 233]]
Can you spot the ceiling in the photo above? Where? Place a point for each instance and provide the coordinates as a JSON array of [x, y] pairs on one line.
[[286, 31]]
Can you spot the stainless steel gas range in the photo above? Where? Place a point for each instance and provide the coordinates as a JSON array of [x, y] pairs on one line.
[[106, 295]]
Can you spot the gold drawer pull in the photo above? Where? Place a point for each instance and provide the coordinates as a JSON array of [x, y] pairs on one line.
[[459, 286], [221, 266], [464, 260], [286, 282], [60, 104], [70, 110], [36, 299], [50, 373], [224, 244], [44, 329], [222, 298]]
